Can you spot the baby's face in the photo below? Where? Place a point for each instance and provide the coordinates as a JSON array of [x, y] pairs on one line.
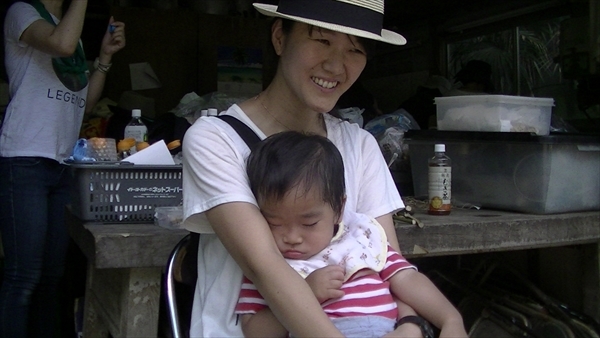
[[301, 223]]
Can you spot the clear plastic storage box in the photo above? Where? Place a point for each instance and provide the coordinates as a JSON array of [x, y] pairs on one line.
[[513, 171], [124, 192], [501, 113]]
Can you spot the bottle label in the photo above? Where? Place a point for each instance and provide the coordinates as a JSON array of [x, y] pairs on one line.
[[440, 181], [139, 133]]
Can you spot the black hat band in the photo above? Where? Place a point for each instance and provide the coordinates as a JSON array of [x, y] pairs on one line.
[[334, 12]]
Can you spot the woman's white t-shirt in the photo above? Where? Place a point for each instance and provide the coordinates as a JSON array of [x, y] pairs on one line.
[[214, 172], [43, 117]]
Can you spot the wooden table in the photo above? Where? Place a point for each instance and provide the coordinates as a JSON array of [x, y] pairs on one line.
[[123, 283], [125, 261], [467, 231]]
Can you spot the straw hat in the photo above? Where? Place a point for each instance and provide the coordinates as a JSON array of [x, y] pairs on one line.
[[362, 18]]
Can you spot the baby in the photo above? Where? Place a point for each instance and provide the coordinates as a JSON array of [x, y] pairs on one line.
[[298, 181]]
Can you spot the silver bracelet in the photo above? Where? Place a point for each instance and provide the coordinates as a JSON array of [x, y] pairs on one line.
[[101, 67]]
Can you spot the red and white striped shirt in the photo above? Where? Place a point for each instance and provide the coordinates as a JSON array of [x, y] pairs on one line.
[[364, 295]]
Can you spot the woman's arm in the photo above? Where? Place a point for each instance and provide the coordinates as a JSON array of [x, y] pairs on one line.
[[262, 324], [377, 193], [111, 43], [387, 222], [60, 40], [416, 290], [405, 330], [246, 236]]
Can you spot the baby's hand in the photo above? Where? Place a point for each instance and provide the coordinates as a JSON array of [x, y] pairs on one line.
[[326, 282]]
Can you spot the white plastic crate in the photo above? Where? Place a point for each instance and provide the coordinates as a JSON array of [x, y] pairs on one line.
[[502, 113]]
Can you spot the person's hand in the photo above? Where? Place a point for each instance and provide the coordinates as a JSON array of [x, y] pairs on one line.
[[114, 38], [326, 282], [453, 329]]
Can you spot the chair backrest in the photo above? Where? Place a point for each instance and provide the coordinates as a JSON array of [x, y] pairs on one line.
[[180, 282]]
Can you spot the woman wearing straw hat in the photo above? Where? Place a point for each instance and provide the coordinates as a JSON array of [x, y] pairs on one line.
[[322, 50]]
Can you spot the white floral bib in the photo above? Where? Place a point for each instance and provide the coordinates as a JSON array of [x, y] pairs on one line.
[[360, 243]]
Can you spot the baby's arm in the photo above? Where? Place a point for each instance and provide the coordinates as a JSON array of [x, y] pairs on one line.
[[262, 324], [416, 290]]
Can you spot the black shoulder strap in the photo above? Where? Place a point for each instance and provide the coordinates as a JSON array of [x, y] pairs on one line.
[[247, 134]]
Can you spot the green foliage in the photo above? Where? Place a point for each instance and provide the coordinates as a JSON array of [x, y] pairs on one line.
[[533, 48]]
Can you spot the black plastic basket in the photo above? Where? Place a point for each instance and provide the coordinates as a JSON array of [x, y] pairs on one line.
[[120, 192]]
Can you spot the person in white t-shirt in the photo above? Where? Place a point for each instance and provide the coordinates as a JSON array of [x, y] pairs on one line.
[[298, 181], [322, 48], [50, 88]]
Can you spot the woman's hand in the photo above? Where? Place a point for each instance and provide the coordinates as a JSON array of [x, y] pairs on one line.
[[454, 328], [326, 282], [113, 40]]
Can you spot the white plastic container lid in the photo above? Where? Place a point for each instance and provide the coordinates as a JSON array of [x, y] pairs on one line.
[[520, 100], [136, 113], [439, 148]]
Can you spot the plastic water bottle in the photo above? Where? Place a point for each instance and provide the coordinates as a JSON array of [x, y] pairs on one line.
[[136, 129], [440, 181]]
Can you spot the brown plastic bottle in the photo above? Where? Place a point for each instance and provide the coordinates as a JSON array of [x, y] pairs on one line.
[[440, 182]]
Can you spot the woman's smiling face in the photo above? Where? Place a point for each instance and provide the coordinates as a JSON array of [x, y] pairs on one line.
[[319, 65]]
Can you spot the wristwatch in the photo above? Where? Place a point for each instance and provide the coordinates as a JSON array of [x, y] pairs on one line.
[[426, 328]]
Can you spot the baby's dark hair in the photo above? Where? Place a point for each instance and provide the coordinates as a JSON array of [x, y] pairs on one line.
[[293, 159]]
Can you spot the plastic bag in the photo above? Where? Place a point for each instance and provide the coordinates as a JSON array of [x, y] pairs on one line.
[[81, 152], [352, 115], [191, 104], [389, 131], [399, 118], [559, 125], [392, 145]]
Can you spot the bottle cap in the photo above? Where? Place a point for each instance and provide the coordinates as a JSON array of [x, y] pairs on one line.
[[440, 148], [212, 112], [136, 113]]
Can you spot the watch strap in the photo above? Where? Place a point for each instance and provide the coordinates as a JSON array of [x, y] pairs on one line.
[[426, 328]]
